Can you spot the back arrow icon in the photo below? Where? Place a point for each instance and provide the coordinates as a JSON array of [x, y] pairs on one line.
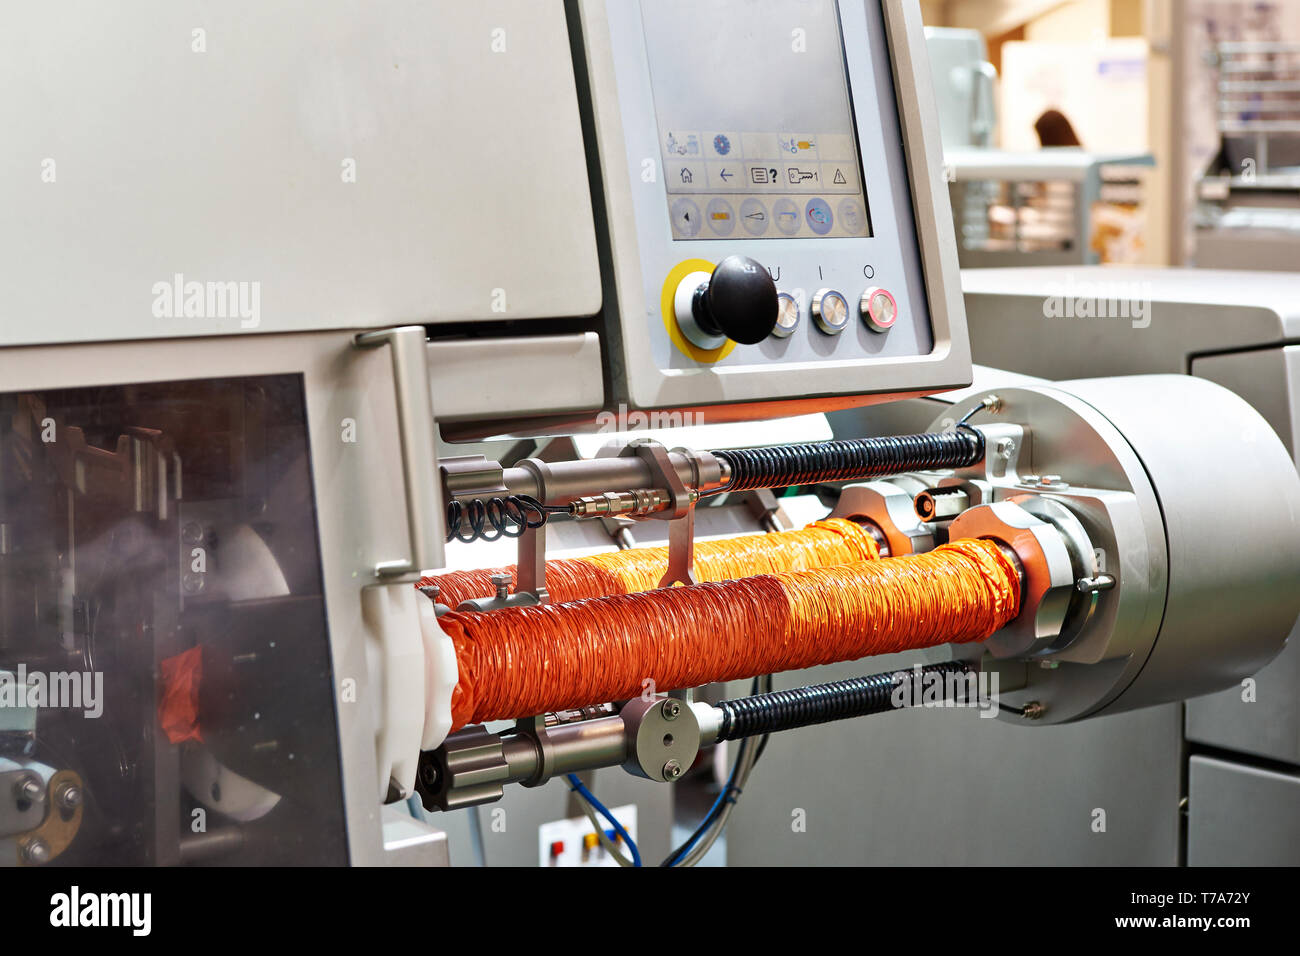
[[724, 175]]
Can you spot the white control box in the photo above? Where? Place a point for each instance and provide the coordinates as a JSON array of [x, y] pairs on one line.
[[569, 843]]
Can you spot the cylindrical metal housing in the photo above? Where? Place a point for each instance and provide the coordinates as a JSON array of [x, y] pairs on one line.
[[1192, 506], [1230, 500]]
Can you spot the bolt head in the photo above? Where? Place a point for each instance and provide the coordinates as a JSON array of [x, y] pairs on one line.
[[671, 708], [29, 789], [36, 851], [69, 797], [672, 770], [1006, 447]]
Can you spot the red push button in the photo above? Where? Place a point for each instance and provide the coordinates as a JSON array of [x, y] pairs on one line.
[[878, 309]]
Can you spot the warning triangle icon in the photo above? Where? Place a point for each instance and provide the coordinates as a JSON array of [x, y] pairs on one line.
[[839, 178]]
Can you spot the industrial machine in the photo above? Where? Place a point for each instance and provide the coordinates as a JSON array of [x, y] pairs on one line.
[[239, 616], [1243, 744]]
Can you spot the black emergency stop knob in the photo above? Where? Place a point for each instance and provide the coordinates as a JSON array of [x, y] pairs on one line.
[[739, 301]]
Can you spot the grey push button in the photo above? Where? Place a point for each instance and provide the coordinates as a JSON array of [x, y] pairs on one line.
[[830, 311], [787, 316]]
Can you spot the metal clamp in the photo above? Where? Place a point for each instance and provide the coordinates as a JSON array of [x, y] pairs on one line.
[[681, 516], [415, 426]]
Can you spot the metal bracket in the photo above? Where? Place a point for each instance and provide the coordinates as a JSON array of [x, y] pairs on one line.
[[766, 509], [680, 517], [416, 431], [530, 574]]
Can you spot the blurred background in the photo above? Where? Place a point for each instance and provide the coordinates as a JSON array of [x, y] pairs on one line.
[[1163, 132]]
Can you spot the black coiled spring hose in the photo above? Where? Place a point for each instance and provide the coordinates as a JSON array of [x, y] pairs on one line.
[[855, 459], [822, 703], [508, 516]]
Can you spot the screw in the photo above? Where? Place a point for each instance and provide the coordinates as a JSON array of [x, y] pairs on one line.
[[1006, 447], [36, 851], [192, 533], [1053, 480], [192, 583], [1033, 710], [1101, 582], [991, 403], [672, 770], [501, 581], [68, 797], [671, 709], [1029, 479], [29, 790]]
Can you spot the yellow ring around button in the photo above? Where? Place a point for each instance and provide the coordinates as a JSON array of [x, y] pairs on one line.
[[685, 345]]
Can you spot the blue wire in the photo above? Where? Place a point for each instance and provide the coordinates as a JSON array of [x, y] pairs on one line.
[[590, 797], [685, 848]]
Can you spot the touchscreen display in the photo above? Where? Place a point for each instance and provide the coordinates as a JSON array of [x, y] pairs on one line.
[[756, 131]]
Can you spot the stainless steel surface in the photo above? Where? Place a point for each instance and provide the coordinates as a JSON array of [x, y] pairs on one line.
[[473, 765], [373, 185], [1140, 492], [942, 786], [1225, 618], [1112, 497], [561, 376], [560, 482], [1142, 320], [410, 842], [414, 401], [663, 738], [889, 506], [1239, 815], [1231, 328], [940, 504]]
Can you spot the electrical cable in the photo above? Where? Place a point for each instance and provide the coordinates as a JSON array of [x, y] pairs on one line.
[[772, 711], [582, 791], [822, 703], [508, 516], [599, 829], [854, 459], [731, 791]]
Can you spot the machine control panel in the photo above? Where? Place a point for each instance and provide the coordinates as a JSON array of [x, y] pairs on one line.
[[768, 131]]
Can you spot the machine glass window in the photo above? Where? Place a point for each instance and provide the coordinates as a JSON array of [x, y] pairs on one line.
[[166, 691], [754, 118]]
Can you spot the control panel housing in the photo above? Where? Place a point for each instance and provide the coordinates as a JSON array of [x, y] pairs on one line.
[[800, 134]]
